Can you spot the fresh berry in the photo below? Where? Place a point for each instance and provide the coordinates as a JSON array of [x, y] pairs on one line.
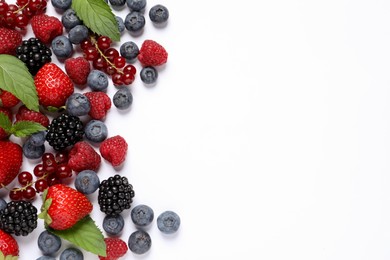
[[46, 27], [100, 104], [129, 50], [139, 242], [25, 114], [69, 19], [32, 151], [10, 40], [117, 2], [96, 131], [38, 138], [62, 47], [66, 208], [149, 75], [115, 195], [78, 33], [134, 22], [136, 5], [115, 248], [87, 182], [78, 69], [8, 113], [123, 98], [3, 204], [152, 54], [168, 222], [19, 218], [45, 257], [121, 24], [49, 243], [34, 54], [71, 253], [11, 159], [142, 215], [7, 99], [8, 245], [53, 85], [83, 156], [62, 4], [65, 130], [158, 14], [97, 80], [77, 105], [114, 150], [113, 224]]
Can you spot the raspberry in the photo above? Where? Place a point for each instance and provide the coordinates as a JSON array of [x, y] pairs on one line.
[[114, 150], [82, 157], [78, 70], [29, 115], [100, 103], [10, 40], [7, 99], [152, 54], [46, 27], [115, 248]]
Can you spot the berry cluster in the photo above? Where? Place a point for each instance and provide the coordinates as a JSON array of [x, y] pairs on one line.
[[34, 54]]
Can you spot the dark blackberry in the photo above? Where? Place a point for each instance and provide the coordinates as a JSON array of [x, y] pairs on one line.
[[65, 130], [115, 195], [34, 54], [19, 218]]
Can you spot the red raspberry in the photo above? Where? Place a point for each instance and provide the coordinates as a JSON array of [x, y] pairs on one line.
[[10, 40], [115, 248], [7, 99], [152, 54], [7, 112], [114, 150], [29, 115], [82, 157], [100, 103], [46, 27], [78, 70]]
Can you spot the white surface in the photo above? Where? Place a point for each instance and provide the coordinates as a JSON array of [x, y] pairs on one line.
[[268, 132]]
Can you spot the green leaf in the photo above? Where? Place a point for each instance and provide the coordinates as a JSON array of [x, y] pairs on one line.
[[15, 78], [25, 128], [5, 123], [44, 208], [84, 234], [8, 257], [98, 17]]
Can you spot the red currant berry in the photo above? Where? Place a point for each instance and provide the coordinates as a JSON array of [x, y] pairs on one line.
[[130, 68], [110, 70], [13, 8], [104, 42], [28, 12], [85, 44], [21, 20], [111, 54], [29, 193], [52, 180], [61, 157], [91, 53], [99, 63], [41, 185], [117, 79], [127, 78], [49, 163], [119, 62], [15, 194], [3, 8], [25, 178], [63, 171], [10, 19], [21, 2], [38, 170]]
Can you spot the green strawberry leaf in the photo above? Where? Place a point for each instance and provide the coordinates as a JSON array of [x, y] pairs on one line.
[[98, 17], [84, 234], [15, 78], [44, 208], [25, 128], [8, 257], [5, 123]]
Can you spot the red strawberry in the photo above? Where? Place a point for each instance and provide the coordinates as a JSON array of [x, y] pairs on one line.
[[10, 40], [7, 112], [8, 246], [82, 156], [78, 69], [11, 159], [46, 27], [53, 85], [66, 208], [152, 54], [100, 103], [114, 150], [29, 115], [7, 99], [115, 248]]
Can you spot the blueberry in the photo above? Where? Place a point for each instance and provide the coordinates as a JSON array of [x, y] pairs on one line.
[[117, 2], [129, 50], [78, 33], [77, 104], [139, 242], [38, 138], [136, 5], [87, 182], [121, 24], [45, 257], [97, 80], [158, 14], [123, 99], [113, 224], [149, 75], [62, 47], [32, 151], [168, 222], [49, 243], [62, 4], [134, 21], [69, 19], [142, 215], [71, 254], [96, 131], [3, 204]]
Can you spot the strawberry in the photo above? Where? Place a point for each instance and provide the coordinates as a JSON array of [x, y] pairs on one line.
[[10, 40], [11, 159], [115, 248], [152, 54], [100, 104], [29, 115], [82, 156], [78, 70], [64, 206], [53, 85], [7, 112], [7, 99], [8, 246], [46, 27], [114, 150]]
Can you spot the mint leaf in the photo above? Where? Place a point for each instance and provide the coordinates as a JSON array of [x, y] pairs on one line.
[[84, 234], [15, 78], [5, 123], [98, 17], [25, 128]]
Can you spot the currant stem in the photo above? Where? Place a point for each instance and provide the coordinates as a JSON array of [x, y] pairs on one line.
[[94, 42]]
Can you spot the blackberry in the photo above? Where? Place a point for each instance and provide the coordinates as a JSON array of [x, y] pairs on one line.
[[34, 54], [65, 130], [115, 195], [19, 218]]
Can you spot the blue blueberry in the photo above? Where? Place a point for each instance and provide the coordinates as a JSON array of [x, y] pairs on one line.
[[3, 204], [69, 19], [129, 50], [142, 215], [32, 151], [72, 254], [49, 243], [158, 14], [77, 104], [45, 257], [136, 5], [38, 138], [135, 22], [87, 182], [96, 131], [78, 33], [113, 224], [123, 98], [139, 242], [117, 2], [121, 24], [97, 80], [62, 4], [168, 222], [149, 75], [62, 47]]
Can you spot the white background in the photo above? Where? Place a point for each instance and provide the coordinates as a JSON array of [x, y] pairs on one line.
[[268, 131]]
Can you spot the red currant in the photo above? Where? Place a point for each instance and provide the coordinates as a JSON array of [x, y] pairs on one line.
[[85, 44], [3, 8], [130, 68], [41, 185], [38, 170], [117, 79], [61, 157], [99, 63], [111, 54], [63, 171], [25, 178], [127, 78], [104, 42], [119, 62], [29, 193], [15, 194], [91, 53]]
